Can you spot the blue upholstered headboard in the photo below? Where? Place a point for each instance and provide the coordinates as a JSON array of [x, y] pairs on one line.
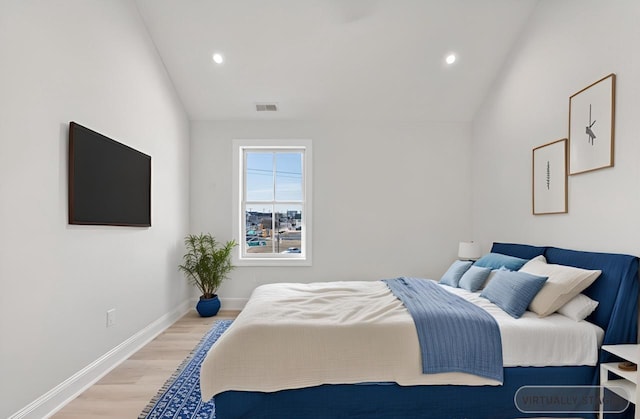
[[616, 289]]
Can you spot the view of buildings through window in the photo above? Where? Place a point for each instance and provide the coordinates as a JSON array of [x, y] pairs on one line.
[[273, 202]]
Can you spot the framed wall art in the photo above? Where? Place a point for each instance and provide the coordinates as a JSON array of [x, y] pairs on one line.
[[591, 126], [550, 178]]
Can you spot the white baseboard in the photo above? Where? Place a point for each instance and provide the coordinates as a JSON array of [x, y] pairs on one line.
[[56, 398], [233, 303]]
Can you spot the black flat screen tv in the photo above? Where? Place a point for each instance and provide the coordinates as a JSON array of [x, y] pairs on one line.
[[109, 182]]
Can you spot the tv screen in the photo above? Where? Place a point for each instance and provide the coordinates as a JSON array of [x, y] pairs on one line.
[[109, 182]]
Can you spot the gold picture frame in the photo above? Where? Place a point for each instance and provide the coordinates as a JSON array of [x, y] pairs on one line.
[[549, 186], [592, 126]]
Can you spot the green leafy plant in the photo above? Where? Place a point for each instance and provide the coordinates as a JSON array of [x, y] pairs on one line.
[[206, 264]]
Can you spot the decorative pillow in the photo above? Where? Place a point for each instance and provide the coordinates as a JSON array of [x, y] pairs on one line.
[[578, 308], [490, 277], [474, 278], [455, 272], [513, 291], [497, 261], [564, 283]]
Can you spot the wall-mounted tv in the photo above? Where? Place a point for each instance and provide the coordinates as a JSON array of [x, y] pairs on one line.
[[109, 182]]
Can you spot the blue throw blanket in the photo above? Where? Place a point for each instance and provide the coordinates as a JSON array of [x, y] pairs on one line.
[[454, 334]]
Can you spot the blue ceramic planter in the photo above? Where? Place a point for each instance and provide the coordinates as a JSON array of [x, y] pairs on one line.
[[208, 307]]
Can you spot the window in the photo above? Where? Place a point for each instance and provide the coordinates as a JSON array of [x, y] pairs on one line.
[[272, 209]]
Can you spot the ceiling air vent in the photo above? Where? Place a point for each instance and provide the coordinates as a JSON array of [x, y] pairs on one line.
[[266, 107]]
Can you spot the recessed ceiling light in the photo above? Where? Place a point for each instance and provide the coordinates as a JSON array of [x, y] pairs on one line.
[[218, 58], [451, 58]]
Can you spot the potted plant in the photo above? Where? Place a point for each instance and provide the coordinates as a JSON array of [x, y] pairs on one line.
[[206, 264]]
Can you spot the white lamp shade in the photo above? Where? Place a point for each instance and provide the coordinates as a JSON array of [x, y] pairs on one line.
[[469, 251]]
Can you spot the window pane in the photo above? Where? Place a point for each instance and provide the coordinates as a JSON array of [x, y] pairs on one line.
[[259, 176], [289, 176], [288, 237], [258, 229]]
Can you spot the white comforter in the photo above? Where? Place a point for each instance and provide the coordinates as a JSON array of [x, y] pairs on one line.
[[302, 335]]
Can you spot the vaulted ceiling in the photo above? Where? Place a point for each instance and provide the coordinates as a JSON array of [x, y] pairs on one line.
[[334, 59]]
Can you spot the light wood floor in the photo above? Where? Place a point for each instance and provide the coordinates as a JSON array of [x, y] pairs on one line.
[[126, 390]]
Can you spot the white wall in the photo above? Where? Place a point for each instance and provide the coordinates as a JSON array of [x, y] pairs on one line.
[[90, 61], [390, 199], [567, 45]]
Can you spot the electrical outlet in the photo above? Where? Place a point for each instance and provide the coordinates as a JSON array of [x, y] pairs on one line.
[[111, 317]]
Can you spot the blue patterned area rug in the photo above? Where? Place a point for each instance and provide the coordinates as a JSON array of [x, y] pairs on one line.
[[179, 398]]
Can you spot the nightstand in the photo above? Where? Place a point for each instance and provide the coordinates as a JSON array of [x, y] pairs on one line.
[[621, 379]]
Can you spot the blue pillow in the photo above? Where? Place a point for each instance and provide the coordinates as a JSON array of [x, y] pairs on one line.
[[513, 291], [455, 272], [497, 261], [473, 279]]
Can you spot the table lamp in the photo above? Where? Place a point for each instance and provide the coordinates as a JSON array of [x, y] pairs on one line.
[[469, 251]]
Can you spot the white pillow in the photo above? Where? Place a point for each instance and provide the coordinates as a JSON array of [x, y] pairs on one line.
[[578, 308], [564, 283]]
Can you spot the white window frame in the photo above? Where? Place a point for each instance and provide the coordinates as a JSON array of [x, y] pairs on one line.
[[239, 219]]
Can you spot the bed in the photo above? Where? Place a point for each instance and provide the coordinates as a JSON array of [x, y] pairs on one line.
[[449, 396]]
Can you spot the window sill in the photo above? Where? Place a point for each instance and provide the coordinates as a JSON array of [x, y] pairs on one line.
[[272, 262]]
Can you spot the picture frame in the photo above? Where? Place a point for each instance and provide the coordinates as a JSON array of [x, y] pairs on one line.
[[592, 126], [549, 186]]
